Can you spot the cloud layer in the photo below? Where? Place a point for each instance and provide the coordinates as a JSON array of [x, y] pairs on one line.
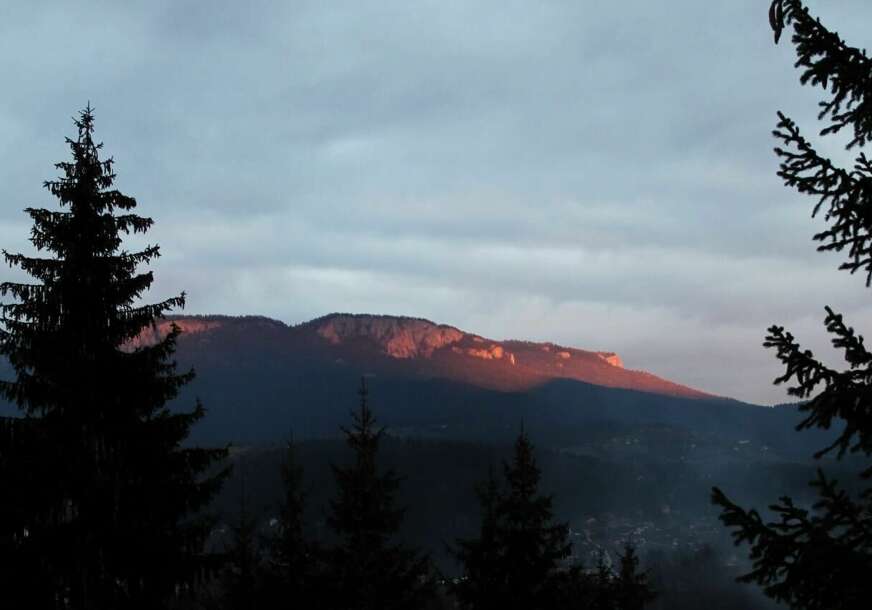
[[591, 173]]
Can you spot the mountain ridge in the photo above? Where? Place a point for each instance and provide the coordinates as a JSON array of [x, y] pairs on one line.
[[408, 345], [261, 380]]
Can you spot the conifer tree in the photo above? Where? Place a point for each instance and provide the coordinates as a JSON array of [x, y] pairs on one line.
[[600, 585], [604, 589], [114, 521], [517, 557], [294, 560], [820, 558], [533, 545], [480, 557], [366, 569], [630, 588], [242, 570]]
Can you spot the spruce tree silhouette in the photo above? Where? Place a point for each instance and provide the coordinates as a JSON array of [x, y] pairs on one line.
[[242, 570], [515, 562], [533, 545], [112, 520], [480, 558], [820, 558], [631, 589], [293, 567], [366, 569]]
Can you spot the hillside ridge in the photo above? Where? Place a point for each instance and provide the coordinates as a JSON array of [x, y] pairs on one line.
[[408, 346]]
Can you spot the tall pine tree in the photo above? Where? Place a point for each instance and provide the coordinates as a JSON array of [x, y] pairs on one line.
[[516, 561], [630, 587], [293, 567], [821, 558], [481, 558], [240, 579], [113, 520], [367, 569]]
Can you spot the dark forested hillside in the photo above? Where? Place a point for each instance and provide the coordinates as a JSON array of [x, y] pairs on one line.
[[658, 504]]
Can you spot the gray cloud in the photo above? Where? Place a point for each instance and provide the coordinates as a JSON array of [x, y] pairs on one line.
[[591, 173]]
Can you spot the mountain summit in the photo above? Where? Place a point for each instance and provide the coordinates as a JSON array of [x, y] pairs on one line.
[[396, 336]]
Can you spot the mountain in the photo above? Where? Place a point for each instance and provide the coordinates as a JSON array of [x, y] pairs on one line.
[[422, 349], [262, 380]]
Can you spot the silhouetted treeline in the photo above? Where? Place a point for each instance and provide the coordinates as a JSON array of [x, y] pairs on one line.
[[519, 555], [438, 490], [441, 478]]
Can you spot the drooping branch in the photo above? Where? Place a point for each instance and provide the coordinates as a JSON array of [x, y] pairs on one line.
[[828, 62]]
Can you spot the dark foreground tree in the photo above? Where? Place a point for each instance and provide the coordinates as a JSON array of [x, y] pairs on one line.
[[241, 574], [820, 557], [519, 558], [293, 565], [481, 558], [532, 544], [367, 569], [24, 471], [516, 560], [587, 589], [631, 588], [109, 517]]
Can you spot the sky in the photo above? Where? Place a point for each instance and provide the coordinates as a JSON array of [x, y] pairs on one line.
[[592, 173]]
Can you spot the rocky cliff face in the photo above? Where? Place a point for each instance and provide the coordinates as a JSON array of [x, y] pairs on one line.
[[402, 337], [437, 350], [398, 337], [188, 326], [192, 326]]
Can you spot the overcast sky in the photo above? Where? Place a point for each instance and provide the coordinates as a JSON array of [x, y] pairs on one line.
[[589, 172]]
